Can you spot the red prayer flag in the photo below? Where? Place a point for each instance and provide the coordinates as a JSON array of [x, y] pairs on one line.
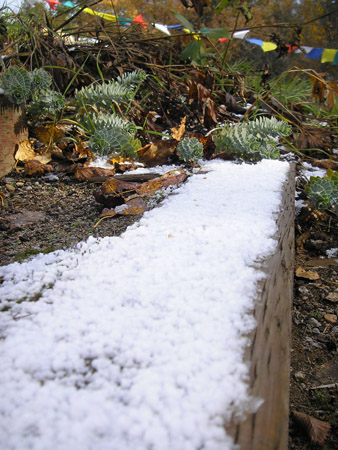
[[52, 3], [291, 48]]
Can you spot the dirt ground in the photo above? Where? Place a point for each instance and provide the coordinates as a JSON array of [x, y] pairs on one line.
[[43, 214]]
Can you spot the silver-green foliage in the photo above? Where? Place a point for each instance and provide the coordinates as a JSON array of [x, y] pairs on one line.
[[47, 103], [106, 120], [252, 141], [16, 84], [102, 96], [106, 140], [132, 78], [190, 149], [323, 192], [40, 80], [34, 87]]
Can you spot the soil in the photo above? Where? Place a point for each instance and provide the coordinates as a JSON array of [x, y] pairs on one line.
[[43, 214]]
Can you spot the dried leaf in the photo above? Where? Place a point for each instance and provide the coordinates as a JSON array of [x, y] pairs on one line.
[[134, 206], [177, 133], [171, 178], [25, 217], [307, 274], [302, 239], [158, 152], [325, 163], [209, 115], [317, 430], [81, 151], [118, 187], [25, 151], [49, 134], [86, 173], [318, 89], [34, 167]]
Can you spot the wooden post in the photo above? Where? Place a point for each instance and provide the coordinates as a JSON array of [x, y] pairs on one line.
[[269, 352], [12, 131]]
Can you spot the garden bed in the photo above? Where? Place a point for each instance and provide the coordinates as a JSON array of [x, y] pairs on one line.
[[207, 305]]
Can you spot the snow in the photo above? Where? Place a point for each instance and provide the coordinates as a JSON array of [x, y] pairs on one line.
[[137, 342]]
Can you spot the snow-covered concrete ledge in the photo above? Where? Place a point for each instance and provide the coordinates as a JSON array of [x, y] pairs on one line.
[[149, 340]]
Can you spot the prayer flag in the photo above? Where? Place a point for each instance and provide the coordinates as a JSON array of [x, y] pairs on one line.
[[328, 55], [255, 41], [336, 59], [103, 15], [52, 3], [315, 53], [240, 34], [162, 28], [268, 46]]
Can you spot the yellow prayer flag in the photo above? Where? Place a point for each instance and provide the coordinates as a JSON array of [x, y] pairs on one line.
[[328, 55], [103, 15], [195, 36], [268, 46]]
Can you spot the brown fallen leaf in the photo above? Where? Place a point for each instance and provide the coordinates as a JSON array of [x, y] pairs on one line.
[[86, 173], [25, 217], [307, 274], [25, 151], [178, 133], [118, 187], [81, 151], [34, 167], [112, 192], [302, 239], [317, 430], [49, 134], [170, 178], [325, 163], [158, 152], [133, 206]]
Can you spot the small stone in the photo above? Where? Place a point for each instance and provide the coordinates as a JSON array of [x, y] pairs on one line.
[[331, 318], [303, 290], [28, 188], [335, 331], [314, 322], [332, 297], [300, 376], [316, 330], [20, 184], [10, 187]]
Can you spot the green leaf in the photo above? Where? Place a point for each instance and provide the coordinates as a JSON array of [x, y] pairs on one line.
[[221, 5], [190, 149], [191, 50], [215, 33], [323, 193], [184, 22]]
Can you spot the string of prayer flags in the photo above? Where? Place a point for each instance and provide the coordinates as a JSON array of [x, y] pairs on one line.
[[325, 55]]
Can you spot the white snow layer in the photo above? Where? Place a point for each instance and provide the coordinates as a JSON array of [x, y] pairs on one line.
[[137, 342]]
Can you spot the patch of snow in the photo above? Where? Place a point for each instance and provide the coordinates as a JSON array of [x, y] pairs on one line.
[[299, 204], [332, 253], [309, 170], [137, 342]]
